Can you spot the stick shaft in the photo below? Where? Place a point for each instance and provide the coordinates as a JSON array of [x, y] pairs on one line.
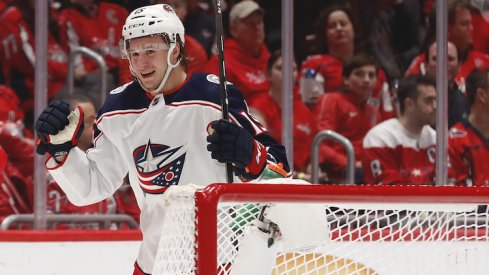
[[222, 76]]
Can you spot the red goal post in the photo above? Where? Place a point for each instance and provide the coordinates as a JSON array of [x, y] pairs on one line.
[[432, 225]]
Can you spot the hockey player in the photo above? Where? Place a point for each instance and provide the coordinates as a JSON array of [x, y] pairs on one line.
[[155, 129], [469, 139], [402, 150]]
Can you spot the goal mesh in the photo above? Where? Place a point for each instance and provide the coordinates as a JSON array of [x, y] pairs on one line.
[[368, 230]]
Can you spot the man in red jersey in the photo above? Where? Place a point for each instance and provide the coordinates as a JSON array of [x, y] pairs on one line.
[[469, 139], [245, 53], [402, 150], [349, 114]]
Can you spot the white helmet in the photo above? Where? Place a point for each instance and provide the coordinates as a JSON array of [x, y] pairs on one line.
[[158, 19], [155, 19]]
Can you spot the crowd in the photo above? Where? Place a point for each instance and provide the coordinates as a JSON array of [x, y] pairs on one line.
[[372, 64]]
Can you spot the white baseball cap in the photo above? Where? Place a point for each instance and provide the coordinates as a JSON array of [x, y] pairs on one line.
[[243, 9]]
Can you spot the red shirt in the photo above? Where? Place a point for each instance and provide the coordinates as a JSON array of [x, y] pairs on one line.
[[9, 103], [346, 115], [14, 193], [100, 33], [304, 126], [474, 60], [18, 57], [331, 68], [16, 188], [392, 155], [481, 32], [469, 155], [197, 55], [245, 71]]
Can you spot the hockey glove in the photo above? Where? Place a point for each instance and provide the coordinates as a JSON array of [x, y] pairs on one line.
[[58, 129], [231, 143]]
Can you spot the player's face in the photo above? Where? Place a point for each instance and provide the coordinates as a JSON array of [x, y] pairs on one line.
[[339, 30], [148, 57], [425, 105], [361, 81]]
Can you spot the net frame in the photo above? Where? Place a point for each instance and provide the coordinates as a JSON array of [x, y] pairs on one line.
[[206, 203]]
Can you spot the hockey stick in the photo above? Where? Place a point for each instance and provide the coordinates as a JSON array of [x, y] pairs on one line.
[[222, 76]]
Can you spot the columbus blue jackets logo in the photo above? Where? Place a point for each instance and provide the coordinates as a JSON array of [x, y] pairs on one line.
[[158, 166]]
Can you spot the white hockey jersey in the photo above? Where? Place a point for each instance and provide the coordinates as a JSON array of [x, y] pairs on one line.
[[159, 142], [394, 156]]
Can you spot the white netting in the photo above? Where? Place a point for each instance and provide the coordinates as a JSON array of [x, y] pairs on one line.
[[359, 239], [177, 244]]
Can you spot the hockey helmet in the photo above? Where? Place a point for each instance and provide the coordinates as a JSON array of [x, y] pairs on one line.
[[158, 19]]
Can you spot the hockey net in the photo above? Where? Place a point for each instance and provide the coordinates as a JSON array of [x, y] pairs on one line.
[[326, 230]]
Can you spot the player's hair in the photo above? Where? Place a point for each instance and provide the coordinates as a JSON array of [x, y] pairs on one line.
[[357, 61], [409, 88], [478, 78]]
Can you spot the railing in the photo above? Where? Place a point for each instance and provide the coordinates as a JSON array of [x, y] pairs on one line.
[[105, 220], [350, 153]]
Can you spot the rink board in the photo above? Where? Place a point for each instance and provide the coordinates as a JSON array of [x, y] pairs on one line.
[[114, 252], [68, 252]]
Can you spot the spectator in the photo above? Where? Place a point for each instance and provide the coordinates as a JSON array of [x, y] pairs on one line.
[[126, 201], [349, 114], [89, 113], [337, 37], [13, 198], [245, 53], [468, 140], [200, 25], [18, 54], [95, 24], [457, 100], [269, 106], [402, 150], [460, 31], [16, 188], [10, 109], [480, 21], [193, 49], [390, 29]]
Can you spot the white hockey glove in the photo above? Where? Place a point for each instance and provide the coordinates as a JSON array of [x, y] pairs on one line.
[[58, 129]]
